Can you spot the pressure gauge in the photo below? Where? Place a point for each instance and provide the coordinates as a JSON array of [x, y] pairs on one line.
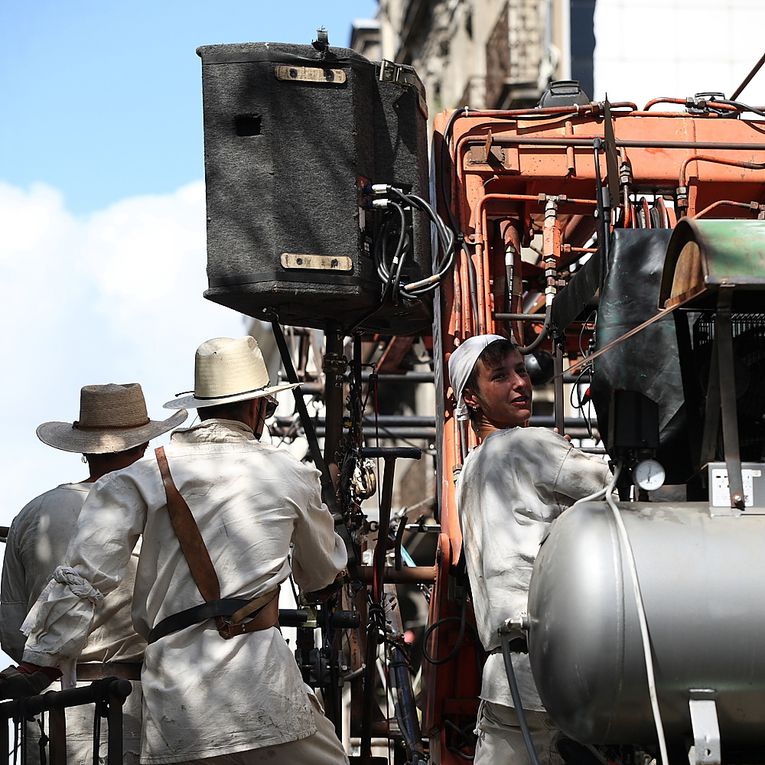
[[648, 475]]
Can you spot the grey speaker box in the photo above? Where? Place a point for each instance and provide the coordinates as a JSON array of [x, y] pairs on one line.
[[293, 139]]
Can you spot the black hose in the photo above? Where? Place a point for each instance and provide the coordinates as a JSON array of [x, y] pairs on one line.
[[443, 264], [758, 110], [405, 708], [462, 618], [516, 694], [542, 336]]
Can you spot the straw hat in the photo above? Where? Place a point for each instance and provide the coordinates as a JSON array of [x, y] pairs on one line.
[[112, 419], [226, 370]]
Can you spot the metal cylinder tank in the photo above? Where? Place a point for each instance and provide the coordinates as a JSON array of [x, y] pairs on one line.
[[703, 584]]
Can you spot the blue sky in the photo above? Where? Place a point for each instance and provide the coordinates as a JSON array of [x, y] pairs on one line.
[[102, 250], [102, 99]]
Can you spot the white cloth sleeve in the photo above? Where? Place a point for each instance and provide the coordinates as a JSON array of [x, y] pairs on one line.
[[318, 553], [107, 530], [13, 599], [579, 476]]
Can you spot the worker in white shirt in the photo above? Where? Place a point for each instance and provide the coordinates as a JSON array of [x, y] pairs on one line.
[[112, 432], [225, 519], [510, 489]]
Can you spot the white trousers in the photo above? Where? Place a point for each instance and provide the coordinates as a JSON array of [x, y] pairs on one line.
[[322, 748], [500, 741]]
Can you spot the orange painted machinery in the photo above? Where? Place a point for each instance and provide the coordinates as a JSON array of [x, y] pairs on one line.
[[533, 195]]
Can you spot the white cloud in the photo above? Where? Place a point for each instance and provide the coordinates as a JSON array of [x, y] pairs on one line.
[[113, 297]]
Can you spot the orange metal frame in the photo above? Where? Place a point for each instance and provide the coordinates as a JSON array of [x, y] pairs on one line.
[[504, 178]]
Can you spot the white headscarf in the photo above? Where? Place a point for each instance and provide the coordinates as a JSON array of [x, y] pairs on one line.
[[461, 364]]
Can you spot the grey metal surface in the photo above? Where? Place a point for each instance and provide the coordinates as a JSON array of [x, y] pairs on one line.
[[702, 583]]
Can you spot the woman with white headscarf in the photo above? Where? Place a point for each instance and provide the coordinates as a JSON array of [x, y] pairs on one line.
[[510, 489]]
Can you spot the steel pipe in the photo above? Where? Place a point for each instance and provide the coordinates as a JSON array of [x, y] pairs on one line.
[[404, 575]]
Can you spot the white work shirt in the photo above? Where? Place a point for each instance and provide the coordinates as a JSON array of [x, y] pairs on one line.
[[511, 488], [203, 696], [37, 544]]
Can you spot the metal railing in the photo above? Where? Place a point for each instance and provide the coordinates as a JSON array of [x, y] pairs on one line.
[[108, 695]]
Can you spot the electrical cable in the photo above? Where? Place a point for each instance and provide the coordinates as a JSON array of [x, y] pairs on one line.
[[462, 618], [758, 110], [644, 634], [580, 403], [397, 261], [599, 494], [576, 387], [446, 241], [396, 277], [407, 558], [445, 238], [520, 713]]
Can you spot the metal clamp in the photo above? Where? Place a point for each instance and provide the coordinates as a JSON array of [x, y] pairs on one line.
[[706, 748]]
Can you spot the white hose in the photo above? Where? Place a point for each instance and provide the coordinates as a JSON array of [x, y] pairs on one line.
[[628, 554]]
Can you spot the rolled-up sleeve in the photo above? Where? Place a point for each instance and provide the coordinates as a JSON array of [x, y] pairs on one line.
[[107, 530]]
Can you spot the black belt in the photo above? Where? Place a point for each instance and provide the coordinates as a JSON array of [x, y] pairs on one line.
[[196, 615]]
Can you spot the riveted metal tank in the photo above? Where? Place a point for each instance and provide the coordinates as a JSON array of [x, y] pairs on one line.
[[703, 585]]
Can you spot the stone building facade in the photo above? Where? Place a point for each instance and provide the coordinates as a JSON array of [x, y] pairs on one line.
[[484, 53]]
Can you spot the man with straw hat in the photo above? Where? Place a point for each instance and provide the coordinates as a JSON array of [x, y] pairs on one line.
[[225, 520], [112, 432]]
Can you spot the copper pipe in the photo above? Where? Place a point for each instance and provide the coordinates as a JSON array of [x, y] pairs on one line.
[[482, 216], [685, 102], [593, 106], [404, 575], [586, 142], [718, 161], [728, 202], [666, 100], [627, 209], [573, 222]]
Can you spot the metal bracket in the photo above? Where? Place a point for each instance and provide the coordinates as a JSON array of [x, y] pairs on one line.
[[483, 155], [726, 367], [402, 74], [706, 731], [516, 626]]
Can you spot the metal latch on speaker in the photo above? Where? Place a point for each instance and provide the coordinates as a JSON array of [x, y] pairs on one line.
[[310, 74], [295, 260]]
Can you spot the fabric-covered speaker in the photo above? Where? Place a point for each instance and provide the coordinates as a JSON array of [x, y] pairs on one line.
[[294, 138]]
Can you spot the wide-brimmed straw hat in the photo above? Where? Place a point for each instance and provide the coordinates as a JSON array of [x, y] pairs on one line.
[[112, 418], [227, 370]]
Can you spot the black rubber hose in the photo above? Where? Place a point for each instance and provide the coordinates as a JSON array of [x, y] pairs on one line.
[[516, 694], [542, 336]]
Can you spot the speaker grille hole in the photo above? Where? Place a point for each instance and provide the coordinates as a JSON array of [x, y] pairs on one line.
[[247, 124]]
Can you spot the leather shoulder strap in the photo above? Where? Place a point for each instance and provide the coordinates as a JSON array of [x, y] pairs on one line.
[[186, 529]]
